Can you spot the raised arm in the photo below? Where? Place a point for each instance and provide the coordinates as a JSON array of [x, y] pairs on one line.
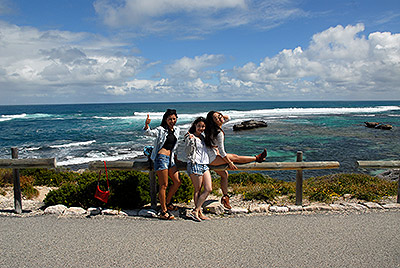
[[147, 122], [147, 130]]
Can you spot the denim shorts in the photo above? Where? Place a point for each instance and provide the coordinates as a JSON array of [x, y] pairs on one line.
[[162, 162], [198, 169]]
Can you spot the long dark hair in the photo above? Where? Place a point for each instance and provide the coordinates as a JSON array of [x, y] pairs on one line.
[[168, 113], [192, 129], [212, 129]]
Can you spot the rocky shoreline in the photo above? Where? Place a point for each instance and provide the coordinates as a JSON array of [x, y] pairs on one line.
[[213, 208]]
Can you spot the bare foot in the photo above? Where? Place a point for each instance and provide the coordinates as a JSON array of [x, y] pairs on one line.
[[203, 217]]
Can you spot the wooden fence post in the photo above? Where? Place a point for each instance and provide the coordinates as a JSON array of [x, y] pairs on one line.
[[153, 185], [398, 190], [17, 184], [299, 181]]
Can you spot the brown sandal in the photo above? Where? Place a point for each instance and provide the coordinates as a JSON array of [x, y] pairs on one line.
[[261, 157], [165, 215], [225, 201]]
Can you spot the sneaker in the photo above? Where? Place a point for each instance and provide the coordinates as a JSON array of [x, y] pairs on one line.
[[193, 215]]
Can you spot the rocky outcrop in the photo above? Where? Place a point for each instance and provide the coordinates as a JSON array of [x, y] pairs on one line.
[[378, 125], [249, 124]]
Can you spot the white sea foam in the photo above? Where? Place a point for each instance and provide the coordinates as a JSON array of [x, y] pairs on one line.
[[11, 117], [274, 113], [32, 148], [308, 111], [159, 116], [22, 116], [73, 144], [98, 156]]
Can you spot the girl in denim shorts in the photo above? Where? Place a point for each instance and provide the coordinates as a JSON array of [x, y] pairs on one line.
[[197, 167], [163, 156]]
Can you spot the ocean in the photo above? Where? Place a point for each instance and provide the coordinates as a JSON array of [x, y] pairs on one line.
[[324, 130]]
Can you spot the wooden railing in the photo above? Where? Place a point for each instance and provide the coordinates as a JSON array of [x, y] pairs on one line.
[[299, 166], [17, 164], [382, 165]]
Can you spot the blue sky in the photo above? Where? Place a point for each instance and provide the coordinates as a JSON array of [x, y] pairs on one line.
[[183, 50]]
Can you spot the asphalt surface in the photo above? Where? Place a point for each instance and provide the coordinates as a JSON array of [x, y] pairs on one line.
[[370, 239]]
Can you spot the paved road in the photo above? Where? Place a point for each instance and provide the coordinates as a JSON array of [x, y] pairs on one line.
[[321, 240]]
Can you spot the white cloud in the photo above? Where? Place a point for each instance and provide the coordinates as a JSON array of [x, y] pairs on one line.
[[338, 63], [33, 61], [165, 89], [192, 68], [143, 87], [191, 18]]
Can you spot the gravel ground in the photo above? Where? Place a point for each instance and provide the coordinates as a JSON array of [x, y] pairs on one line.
[[367, 239]]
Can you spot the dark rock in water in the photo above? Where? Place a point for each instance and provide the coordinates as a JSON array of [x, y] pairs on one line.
[[371, 124], [384, 126], [378, 125], [250, 124]]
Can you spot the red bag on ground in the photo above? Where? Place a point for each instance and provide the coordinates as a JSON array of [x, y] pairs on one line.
[[99, 194]]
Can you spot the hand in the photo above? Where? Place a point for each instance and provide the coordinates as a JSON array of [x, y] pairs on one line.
[[232, 165], [148, 120]]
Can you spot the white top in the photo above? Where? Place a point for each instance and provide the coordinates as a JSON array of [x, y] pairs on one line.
[[196, 149], [218, 147], [201, 155]]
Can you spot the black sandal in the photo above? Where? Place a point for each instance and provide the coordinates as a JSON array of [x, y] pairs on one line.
[[165, 215], [172, 207]]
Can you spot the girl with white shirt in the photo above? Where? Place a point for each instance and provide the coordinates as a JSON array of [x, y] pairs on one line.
[[215, 138], [197, 168]]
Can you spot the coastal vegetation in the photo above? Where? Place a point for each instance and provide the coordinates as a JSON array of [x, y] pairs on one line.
[[130, 189]]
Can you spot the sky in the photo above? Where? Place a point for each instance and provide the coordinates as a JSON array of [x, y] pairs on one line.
[[104, 51]]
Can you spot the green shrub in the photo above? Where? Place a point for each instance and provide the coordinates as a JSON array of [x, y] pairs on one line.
[[128, 189], [360, 186], [27, 189], [264, 191], [49, 177], [65, 195], [184, 194], [6, 176], [244, 178]]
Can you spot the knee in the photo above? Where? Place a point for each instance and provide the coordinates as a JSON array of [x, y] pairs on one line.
[[178, 182], [233, 157], [163, 186], [207, 189]]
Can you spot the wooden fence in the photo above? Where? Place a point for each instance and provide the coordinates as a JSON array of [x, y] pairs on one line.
[[382, 165], [299, 166], [17, 164]]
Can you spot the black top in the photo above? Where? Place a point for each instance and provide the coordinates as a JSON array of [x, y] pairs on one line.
[[170, 140]]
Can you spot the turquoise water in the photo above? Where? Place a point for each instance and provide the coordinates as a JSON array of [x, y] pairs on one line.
[[324, 131]]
